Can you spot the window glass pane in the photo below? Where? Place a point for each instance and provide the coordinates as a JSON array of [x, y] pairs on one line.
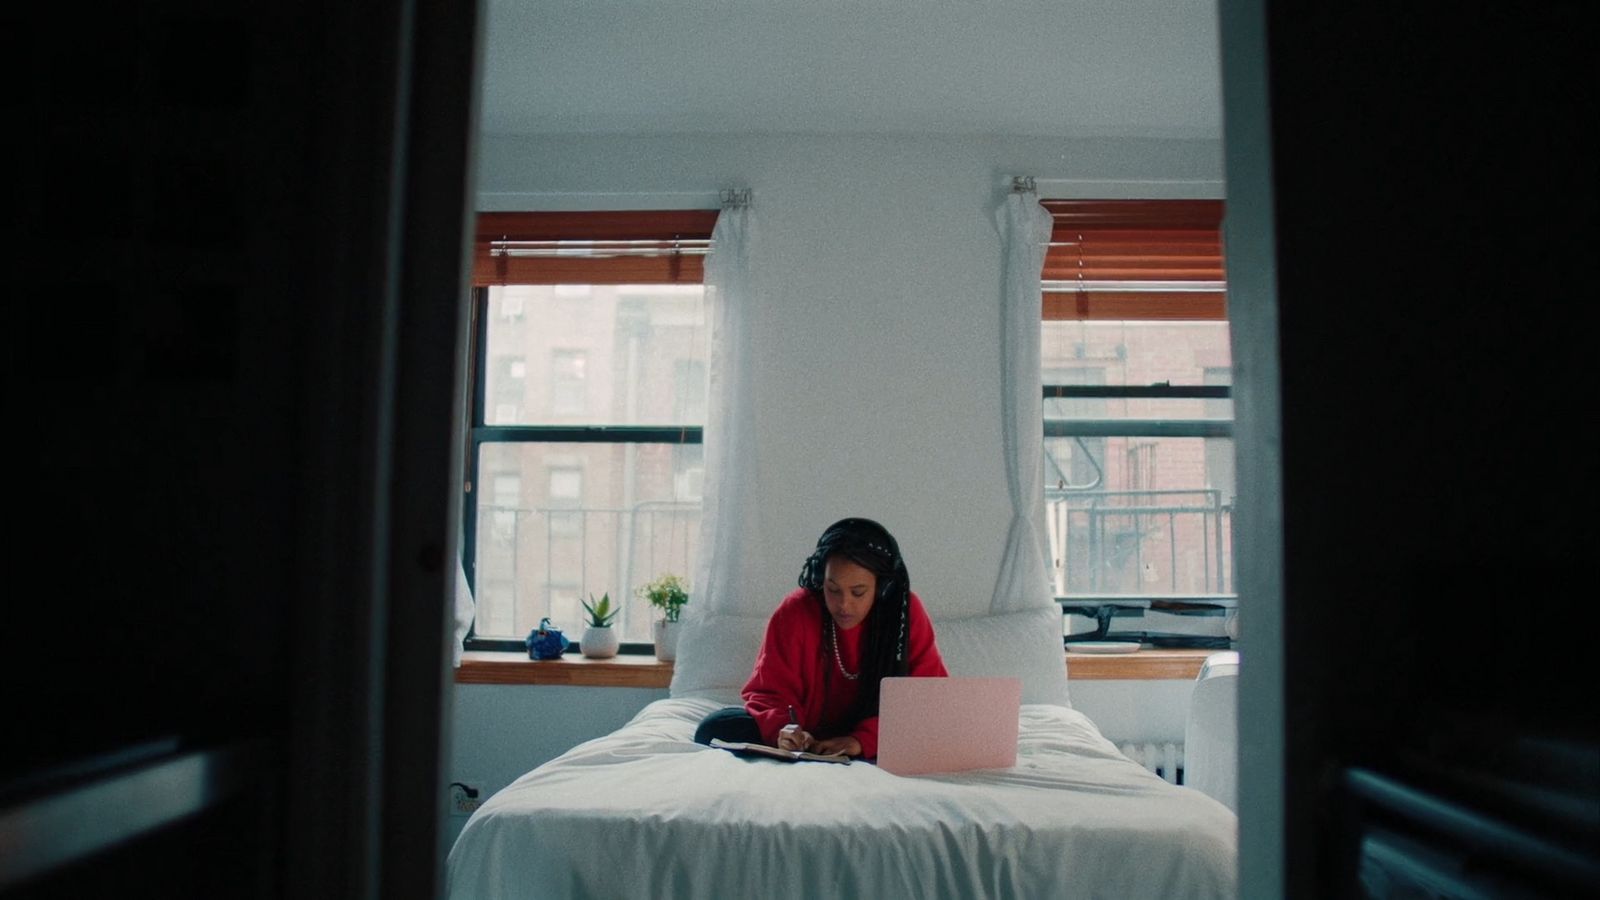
[[507, 490], [569, 383], [596, 355], [590, 519], [1140, 516], [565, 500], [1136, 354], [566, 487], [1139, 352]]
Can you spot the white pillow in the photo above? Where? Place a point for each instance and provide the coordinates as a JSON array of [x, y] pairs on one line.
[[716, 654], [1024, 645]]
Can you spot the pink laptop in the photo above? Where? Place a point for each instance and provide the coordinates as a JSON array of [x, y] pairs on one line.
[[933, 725]]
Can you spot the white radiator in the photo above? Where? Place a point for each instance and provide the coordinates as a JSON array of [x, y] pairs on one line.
[[1164, 759]]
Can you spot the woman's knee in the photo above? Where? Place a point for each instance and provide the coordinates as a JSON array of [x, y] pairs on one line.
[[731, 723]]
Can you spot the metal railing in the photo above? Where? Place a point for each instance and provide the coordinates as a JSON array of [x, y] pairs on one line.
[[1139, 542], [1101, 541]]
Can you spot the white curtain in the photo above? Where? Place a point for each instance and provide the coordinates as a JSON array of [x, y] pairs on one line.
[[1024, 579], [464, 611], [728, 520]]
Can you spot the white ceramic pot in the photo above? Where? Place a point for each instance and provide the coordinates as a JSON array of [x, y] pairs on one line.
[[666, 635], [600, 642]]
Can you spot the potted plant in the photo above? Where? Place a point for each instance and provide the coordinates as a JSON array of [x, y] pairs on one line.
[[599, 639], [667, 594]]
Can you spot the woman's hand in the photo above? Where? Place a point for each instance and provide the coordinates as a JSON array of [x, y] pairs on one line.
[[792, 738], [846, 744]]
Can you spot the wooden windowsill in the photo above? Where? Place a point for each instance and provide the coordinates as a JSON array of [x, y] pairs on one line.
[[1145, 665], [486, 667]]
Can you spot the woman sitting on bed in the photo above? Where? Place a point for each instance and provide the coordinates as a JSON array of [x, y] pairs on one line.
[[852, 621]]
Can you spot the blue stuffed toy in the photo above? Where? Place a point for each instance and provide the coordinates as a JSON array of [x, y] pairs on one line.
[[546, 642]]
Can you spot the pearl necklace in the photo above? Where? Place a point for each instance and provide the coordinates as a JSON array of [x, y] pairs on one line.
[[834, 630]]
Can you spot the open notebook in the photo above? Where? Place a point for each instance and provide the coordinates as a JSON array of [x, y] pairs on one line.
[[933, 725], [741, 748]]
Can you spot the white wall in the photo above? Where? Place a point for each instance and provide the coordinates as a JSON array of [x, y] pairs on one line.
[[498, 732]]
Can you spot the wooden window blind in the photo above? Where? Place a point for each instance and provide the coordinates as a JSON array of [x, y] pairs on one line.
[[1135, 259], [609, 247]]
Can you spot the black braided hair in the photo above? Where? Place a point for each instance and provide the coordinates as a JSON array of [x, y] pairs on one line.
[[883, 643]]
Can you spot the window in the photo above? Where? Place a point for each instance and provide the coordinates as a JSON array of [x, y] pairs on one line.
[[688, 473], [506, 505], [1137, 409], [509, 391], [590, 399], [565, 504], [569, 388]]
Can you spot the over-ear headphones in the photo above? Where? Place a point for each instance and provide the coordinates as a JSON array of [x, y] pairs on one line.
[[864, 536]]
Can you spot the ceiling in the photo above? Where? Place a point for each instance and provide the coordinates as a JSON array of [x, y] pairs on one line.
[[1069, 68]]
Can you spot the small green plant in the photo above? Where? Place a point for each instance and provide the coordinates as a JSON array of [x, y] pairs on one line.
[[601, 613], [667, 594]]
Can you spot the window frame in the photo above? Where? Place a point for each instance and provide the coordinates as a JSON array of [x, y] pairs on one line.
[[479, 433], [631, 247], [1191, 295]]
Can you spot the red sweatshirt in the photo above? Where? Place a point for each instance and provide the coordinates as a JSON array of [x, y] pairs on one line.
[[789, 672]]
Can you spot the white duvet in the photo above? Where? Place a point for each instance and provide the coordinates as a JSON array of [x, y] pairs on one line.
[[645, 812]]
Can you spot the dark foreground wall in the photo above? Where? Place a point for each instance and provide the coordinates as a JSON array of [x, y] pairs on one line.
[[231, 339], [1434, 195]]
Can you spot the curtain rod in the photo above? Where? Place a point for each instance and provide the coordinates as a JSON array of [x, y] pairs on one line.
[[1120, 188], [596, 201], [586, 201]]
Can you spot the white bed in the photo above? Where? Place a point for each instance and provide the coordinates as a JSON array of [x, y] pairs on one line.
[[645, 812]]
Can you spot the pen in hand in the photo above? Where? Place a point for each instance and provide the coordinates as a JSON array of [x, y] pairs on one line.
[[792, 730]]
